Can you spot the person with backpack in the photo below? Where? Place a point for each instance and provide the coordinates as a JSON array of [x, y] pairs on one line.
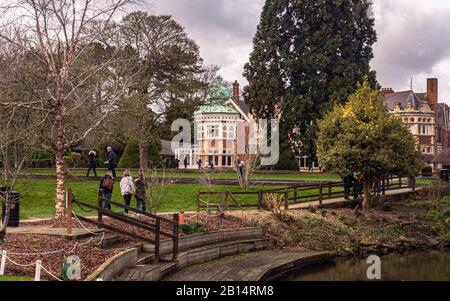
[[141, 191], [92, 156], [112, 160], [106, 189], [127, 188]]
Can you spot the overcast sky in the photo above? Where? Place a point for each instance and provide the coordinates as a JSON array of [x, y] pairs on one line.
[[413, 37]]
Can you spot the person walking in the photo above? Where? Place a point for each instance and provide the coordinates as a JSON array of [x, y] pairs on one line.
[[347, 186], [106, 189], [112, 160], [92, 156], [141, 191], [185, 162], [199, 162], [127, 188]]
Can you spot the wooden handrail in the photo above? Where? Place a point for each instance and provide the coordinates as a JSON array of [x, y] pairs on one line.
[[139, 223]]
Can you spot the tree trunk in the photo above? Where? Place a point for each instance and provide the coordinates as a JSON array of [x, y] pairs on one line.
[[143, 156], [6, 164], [367, 203], [60, 165], [5, 220]]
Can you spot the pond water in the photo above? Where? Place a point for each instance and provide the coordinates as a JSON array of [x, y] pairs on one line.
[[424, 266]]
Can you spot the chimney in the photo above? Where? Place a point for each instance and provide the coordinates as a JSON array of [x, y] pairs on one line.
[[387, 91], [236, 93], [432, 92]]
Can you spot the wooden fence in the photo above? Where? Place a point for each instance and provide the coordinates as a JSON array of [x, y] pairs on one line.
[[292, 194], [152, 223]]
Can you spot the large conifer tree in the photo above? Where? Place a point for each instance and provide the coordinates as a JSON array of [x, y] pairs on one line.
[[307, 56]]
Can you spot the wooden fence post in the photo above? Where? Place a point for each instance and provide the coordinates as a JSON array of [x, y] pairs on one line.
[[69, 211], [400, 181], [100, 205], [320, 195], [157, 239], [330, 190], [286, 199], [295, 194], [383, 186], [175, 238], [198, 201], [226, 200], [260, 200]]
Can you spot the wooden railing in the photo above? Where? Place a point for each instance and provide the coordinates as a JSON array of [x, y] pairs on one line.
[[293, 194], [152, 225]]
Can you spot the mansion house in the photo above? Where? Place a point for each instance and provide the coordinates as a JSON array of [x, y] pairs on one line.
[[219, 126]]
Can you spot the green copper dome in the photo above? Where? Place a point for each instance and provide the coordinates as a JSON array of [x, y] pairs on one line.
[[216, 102]]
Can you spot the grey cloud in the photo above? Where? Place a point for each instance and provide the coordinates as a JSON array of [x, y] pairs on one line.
[[413, 37]]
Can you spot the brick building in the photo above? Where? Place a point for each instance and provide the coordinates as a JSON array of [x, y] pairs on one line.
[[426, 117], [220, 126]]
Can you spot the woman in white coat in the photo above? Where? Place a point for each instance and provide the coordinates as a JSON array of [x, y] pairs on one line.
[[127, 188]]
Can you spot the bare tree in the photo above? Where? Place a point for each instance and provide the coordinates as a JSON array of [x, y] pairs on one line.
[[157, 185], [55, 34], [171, 82]]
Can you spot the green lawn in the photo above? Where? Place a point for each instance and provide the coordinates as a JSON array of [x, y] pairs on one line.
[[14, 278], [214, 175], [38, 196]]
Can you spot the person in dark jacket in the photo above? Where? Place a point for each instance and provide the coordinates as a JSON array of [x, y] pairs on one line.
[[185, 162], [141, 191], [106, 189], [347, 186], [92, 156], [112, 161]]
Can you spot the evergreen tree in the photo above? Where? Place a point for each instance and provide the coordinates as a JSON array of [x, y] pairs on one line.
[[308, 55], [363, 137]]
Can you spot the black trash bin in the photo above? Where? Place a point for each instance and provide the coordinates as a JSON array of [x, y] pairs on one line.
[[14, 213]]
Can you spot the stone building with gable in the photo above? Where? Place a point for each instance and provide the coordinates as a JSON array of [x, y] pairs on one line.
[[426, 117]]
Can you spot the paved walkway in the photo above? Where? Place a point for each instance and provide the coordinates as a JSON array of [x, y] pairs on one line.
[[341, 200], [50, 230], [251, 266]]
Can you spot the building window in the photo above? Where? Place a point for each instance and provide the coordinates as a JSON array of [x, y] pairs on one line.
[[201, 132], [420, 120], [228, 132], [213, 131], [429, 150], [412, 119]]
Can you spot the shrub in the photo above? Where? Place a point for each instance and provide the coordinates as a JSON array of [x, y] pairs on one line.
[[253, 223], [445, 238], [446, 212], [192, 228], [73, 160], [287, 160], [445, 200], [287, 239], [420, 204], [432, 215], [274, 203], [130, 156]]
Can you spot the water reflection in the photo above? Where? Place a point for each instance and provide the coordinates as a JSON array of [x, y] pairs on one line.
[[425, 266]]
